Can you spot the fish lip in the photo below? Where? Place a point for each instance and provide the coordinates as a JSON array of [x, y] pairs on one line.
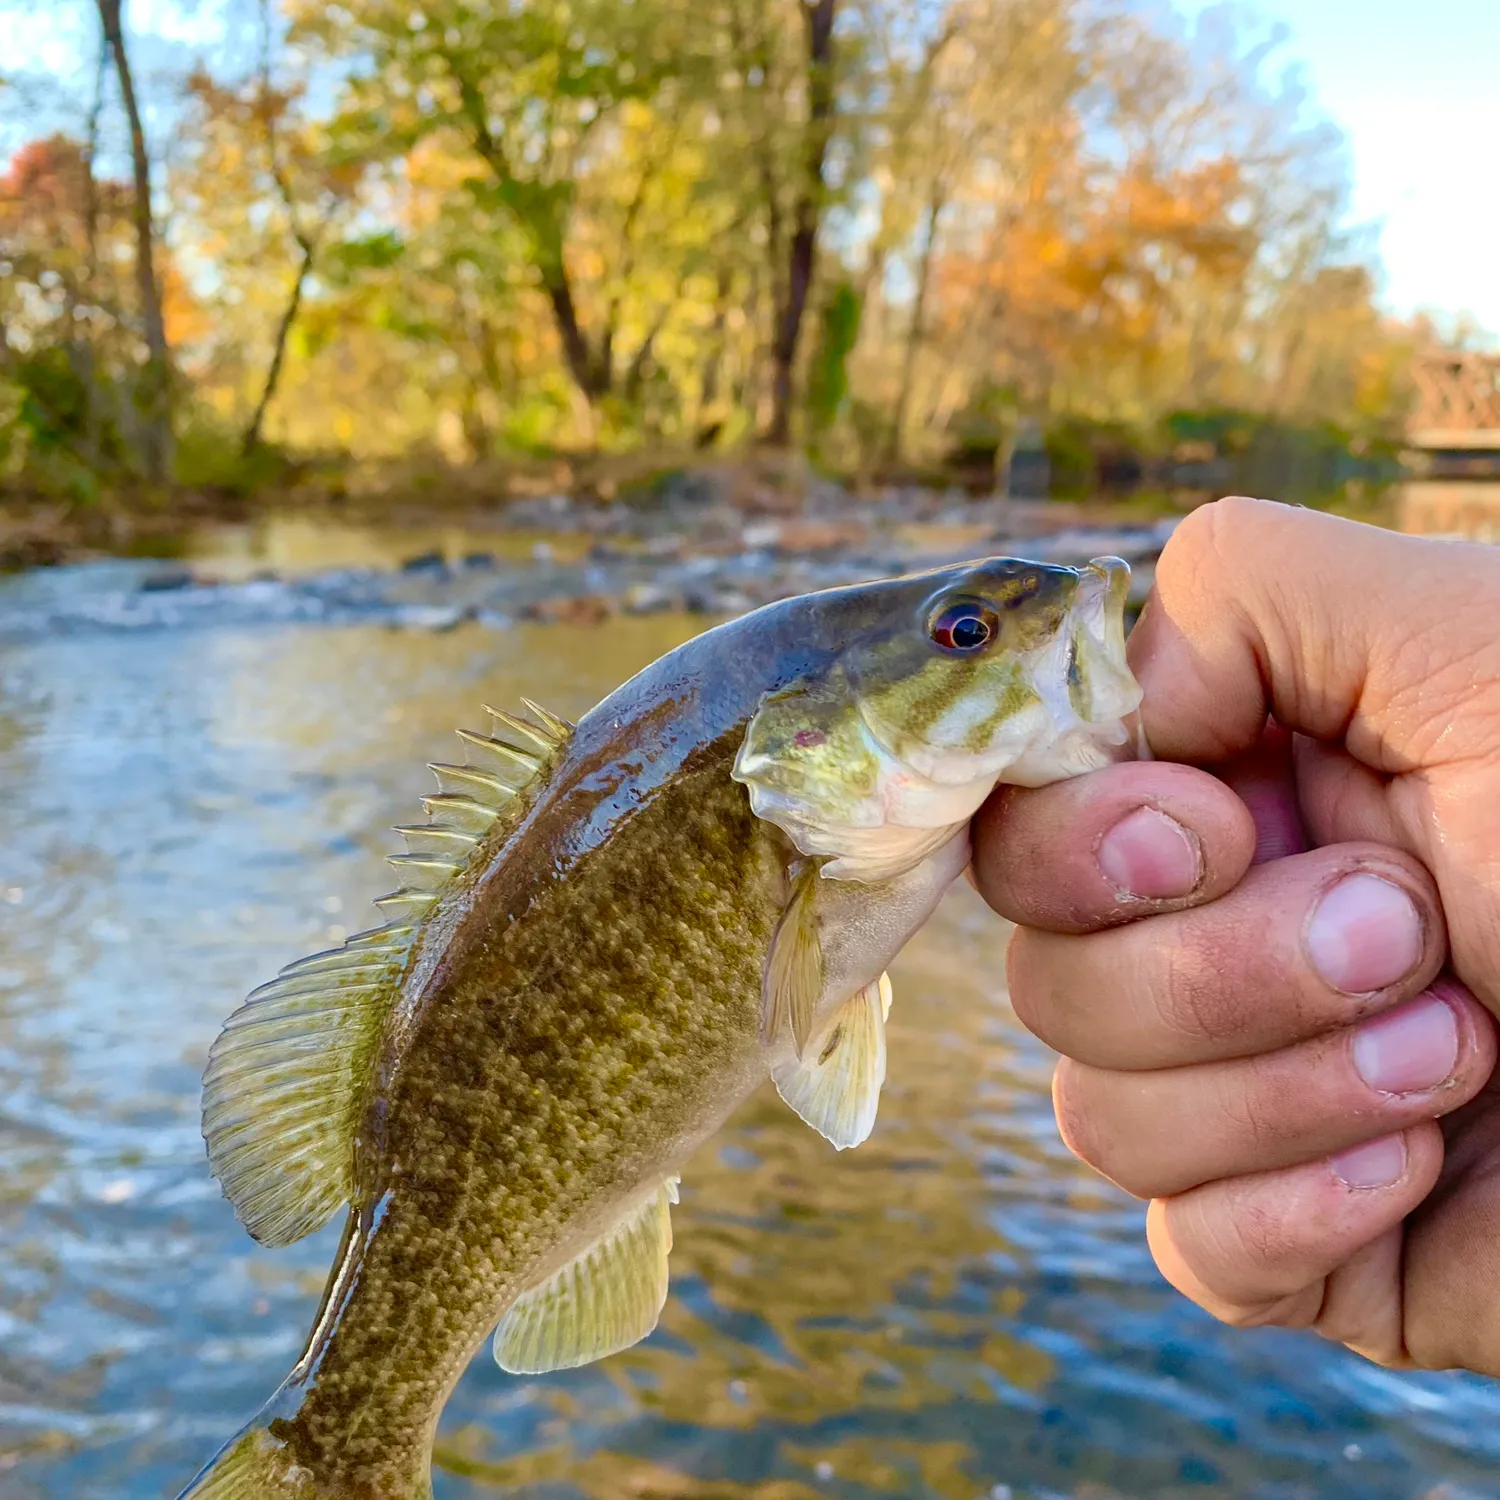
[[1104, 584]]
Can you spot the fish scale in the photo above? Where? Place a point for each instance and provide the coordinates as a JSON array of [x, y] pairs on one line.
[[606, 939], [499, 1156]]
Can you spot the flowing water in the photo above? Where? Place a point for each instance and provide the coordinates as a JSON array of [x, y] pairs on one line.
[[957, 1309]]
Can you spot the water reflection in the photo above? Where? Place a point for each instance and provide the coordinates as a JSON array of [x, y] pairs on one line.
[[954, 1310], [1434, 507], [293, 543]]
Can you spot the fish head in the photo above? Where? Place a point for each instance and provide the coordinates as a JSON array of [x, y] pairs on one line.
[[943, 685], [1010, 667]]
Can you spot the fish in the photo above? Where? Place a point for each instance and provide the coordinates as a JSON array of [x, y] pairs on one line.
[[606, 936]]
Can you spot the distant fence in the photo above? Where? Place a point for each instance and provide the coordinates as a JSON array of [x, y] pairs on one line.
[[1458, 403]]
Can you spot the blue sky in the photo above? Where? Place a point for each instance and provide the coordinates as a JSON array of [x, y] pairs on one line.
[[1414, 85]]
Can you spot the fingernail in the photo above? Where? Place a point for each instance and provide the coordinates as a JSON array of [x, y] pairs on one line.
[[1407, 1050], [1364, 934], [1150, 856], [1376, 1164]]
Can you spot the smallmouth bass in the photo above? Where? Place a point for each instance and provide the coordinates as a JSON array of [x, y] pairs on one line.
[[608, 935]]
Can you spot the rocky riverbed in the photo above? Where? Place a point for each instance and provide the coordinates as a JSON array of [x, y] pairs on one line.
[[558, 560]]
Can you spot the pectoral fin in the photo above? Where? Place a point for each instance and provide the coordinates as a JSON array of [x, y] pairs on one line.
[[602, 1301], [835, 1085], [793, 979]]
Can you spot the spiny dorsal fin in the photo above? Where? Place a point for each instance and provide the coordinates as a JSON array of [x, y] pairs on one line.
[[604, 1300], [835, 1085], [793, 979], [288, 1078]]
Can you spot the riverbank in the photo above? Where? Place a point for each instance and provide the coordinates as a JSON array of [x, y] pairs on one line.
[[600, 496], [555, 560]]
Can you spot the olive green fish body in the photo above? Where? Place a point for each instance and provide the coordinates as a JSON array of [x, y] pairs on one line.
[[557, 1069], [616, 932]]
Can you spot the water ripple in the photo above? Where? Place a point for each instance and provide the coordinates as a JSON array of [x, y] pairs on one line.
[[958, 1310]]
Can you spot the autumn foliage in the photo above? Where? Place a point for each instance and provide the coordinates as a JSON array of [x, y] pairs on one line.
[[472, 230]]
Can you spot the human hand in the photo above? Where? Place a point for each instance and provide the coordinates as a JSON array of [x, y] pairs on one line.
[[1273, 986]]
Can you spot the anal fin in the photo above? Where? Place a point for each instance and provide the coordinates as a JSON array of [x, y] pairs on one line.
[[835, 1084], [603, 1300]]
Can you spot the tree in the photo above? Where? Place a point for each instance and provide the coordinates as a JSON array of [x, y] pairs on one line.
[[529, 90], [156, 394], [66, 349], [459, 229], [818, 18]]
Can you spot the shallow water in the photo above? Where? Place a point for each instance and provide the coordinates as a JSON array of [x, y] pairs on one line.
[[957, 1309]]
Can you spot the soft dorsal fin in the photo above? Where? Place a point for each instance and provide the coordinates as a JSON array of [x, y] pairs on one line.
[[288, 1078], [835, 1084], [603, 1300]]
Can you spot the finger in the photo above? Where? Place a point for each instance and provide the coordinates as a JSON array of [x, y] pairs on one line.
[[1100, 849], [1262, 778], [1260, 608], [1457, 1228], [1159, 1133], [1300, 946], [1364, 1301], [1255, 1250], [1453, 831], [1343, 800]]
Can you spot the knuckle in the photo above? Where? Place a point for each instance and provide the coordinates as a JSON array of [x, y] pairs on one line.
[[1229, 1253], [1029, 980], [1199, 994], [1235, 1315], [1077, 1119], [1299, 1310], [1228, 981], [1258, 1110], [1369, 1333], [1207, 539], [1256, 1235]]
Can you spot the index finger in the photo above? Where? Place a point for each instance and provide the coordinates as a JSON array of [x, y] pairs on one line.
[[1125, 842], [1342, 631]]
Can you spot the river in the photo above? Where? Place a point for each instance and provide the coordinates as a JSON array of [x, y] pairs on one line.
[[956, 1310]]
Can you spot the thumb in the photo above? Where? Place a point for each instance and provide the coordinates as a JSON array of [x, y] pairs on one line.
[[1342, 631]]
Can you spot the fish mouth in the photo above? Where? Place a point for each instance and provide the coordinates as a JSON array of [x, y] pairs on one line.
[[1103, 591], [1105, 727]]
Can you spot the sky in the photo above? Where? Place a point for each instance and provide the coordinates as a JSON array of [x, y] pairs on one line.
[[1413, 84], [1415, 87]]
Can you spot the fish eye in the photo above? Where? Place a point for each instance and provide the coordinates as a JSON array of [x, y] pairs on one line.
[[964, 627]]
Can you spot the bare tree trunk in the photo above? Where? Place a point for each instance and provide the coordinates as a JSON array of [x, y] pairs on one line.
[[82, 338], [872, 291], [802, 259], [306, 243], [592, 373], [709, 425], [157, 394], [645, 356], [251, 440], [479, 428], [917, 329]]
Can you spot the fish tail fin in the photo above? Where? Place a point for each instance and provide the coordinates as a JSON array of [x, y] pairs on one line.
[[255, 1464]]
